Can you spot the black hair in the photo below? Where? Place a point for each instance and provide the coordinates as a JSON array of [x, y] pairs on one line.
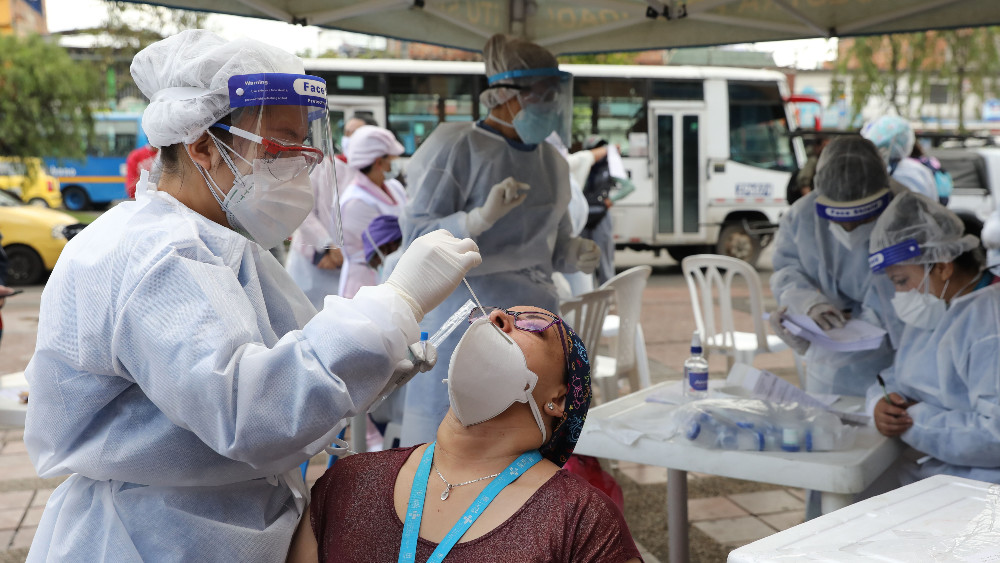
[[971, 261]]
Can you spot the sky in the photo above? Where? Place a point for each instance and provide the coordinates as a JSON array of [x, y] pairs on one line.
[[73, 14]]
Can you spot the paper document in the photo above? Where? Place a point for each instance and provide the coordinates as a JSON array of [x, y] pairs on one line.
[[855, 335], [769, 387]]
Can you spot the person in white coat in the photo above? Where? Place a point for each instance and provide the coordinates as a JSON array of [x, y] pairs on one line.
[[180, 377], [373, 192], [499, 183]]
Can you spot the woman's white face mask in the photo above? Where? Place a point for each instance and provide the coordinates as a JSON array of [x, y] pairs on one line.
[[857, 238], [268, 204], [919, 307]]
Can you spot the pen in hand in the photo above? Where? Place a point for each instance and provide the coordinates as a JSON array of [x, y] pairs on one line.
[[885, 393]]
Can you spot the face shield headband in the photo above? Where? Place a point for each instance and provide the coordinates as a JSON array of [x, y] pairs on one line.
[[858, 210], [894, 254]]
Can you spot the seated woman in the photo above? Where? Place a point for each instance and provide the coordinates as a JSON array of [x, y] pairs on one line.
[[941, 393], [519, 389]]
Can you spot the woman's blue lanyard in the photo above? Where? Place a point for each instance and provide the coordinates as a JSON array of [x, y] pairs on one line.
[[415, 509]]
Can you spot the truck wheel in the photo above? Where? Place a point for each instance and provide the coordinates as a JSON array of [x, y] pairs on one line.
[[24, 265], [76, 199], [38, 202], [735, 241]]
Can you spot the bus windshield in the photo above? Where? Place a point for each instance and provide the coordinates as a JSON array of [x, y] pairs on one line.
[[758, 130]]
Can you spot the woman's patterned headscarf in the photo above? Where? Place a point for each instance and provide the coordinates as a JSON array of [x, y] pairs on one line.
[[578, 393]]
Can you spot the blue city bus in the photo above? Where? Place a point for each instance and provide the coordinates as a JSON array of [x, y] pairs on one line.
[[100, 178]]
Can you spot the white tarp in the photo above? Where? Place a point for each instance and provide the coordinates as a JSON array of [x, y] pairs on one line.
[[582, 26]]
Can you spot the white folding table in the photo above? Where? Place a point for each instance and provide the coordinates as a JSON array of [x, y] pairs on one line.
[[12, 411], [941, 518], [838, 475]]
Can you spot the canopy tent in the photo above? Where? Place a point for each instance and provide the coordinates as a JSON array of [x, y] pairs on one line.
[[587, 26]]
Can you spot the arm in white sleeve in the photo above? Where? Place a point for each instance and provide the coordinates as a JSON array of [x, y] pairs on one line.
[[962, 437], [580, 164], [192, 341], [791, 284]]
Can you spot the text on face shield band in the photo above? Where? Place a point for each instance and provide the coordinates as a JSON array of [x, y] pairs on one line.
[[865, 210], [277, 89], [894, 254]]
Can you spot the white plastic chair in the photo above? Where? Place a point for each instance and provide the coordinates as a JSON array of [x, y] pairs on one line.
[[630, 347], [710, 279], [585, 314]]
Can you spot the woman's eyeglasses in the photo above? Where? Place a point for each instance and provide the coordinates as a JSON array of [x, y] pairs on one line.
[[528, 321]]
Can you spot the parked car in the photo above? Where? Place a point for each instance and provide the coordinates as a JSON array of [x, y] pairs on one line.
[[37, 187], [33, 238], [975, 172]]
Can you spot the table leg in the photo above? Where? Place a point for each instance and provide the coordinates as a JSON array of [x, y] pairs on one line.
[[834, 501], [359, 433], [677, 515]]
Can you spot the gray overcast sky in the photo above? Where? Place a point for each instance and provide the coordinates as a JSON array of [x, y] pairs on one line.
[[73, 14]]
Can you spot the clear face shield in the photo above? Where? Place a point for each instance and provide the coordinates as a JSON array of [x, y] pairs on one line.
[[278, 144], [546, 99]]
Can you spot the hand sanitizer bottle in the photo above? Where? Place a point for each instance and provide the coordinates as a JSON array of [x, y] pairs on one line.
[[696, 371]]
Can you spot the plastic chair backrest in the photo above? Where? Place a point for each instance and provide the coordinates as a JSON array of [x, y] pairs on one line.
[[585, 314], [628, 287], [708, 275]]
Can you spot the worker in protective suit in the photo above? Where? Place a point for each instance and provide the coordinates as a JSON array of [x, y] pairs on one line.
[[180, 377], [940, 395], [894, 139], [497, 182], [821, 264]]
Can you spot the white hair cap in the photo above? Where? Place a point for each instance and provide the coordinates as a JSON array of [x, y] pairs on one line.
[[186, 79], [504, 53], [368, 143], [938, 232]]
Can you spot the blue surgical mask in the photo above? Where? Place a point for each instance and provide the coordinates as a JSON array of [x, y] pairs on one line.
[[535, 122]]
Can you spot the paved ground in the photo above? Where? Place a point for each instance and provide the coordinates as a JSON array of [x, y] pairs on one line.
[[724, 513]]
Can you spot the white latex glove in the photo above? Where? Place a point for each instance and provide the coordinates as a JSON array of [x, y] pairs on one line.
[[422, 357], [827, 316], [431, 268], [502, 199], [797, 343], [583, 254]]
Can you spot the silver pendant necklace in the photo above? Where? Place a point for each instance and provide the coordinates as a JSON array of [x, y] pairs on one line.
[[449, 486]]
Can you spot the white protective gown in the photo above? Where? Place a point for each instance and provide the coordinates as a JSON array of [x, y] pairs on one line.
[[953, 372], [180, 378], [451, 174], [811, 267], [318, 232], [361, 203], [917, 177]]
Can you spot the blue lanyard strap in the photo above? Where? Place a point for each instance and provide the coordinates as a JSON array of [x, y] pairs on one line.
[[418, 492]]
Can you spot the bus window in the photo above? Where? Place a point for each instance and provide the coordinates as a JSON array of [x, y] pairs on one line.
[[758, 131], [417, 103], [114, 137], [607, 107]]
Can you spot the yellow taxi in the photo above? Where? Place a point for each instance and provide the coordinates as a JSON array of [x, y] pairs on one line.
[[37, 188], [33, 237]]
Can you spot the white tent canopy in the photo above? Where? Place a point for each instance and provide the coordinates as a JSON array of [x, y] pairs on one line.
[[586, 26]]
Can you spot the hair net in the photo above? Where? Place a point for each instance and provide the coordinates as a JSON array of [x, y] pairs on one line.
[[568, 428], [849, 169], [503, 54], [892, 136], [915, 229], [186, 79], [381, 231], [370, 142]]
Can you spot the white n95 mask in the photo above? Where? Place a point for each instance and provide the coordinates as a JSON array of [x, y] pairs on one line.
[[487, 374], [856, 238], [919, 308]]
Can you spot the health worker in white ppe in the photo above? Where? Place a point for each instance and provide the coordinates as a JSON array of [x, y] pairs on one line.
[[499, 183], [372, 154], [894, 139], [821, 264], [941, 395], [180, 377]]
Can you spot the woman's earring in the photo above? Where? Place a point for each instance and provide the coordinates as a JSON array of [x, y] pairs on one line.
[[551, 406]]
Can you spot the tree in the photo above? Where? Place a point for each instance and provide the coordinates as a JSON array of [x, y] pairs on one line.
[[46, 99], [902, 68]]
